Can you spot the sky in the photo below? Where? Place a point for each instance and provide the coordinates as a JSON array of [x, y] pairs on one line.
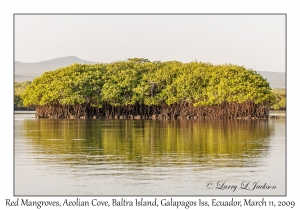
[[254, 41]]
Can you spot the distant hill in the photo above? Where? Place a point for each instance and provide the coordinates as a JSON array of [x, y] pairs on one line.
[[276, 79], [28, 71]]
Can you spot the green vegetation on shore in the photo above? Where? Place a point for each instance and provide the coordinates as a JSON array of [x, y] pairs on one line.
[[19, 88], [280, 99], [138, 84]]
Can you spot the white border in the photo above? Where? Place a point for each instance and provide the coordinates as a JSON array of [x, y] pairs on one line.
[[8, 8]]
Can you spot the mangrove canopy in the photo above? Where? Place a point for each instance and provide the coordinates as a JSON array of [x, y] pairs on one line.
[[138, 88]]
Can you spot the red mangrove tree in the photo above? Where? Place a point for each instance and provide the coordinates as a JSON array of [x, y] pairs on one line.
[[140, 89]]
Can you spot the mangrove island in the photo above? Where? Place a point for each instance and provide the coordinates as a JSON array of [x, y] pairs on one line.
[[140, 89]]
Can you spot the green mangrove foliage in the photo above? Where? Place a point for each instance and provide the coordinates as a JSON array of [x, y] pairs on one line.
[[280, 99], [138, 88], [19, 88]]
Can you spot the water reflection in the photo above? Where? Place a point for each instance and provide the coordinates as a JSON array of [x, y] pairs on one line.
[[150, 142]]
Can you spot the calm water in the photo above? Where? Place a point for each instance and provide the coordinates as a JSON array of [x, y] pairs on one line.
[[148, 157]]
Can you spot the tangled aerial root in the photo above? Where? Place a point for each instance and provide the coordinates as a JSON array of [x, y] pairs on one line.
[[225, 110]]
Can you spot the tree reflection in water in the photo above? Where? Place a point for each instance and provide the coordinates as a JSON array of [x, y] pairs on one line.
[[223, 143]]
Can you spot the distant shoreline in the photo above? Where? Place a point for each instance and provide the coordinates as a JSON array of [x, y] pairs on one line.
[[272, 113], [24, 112]]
